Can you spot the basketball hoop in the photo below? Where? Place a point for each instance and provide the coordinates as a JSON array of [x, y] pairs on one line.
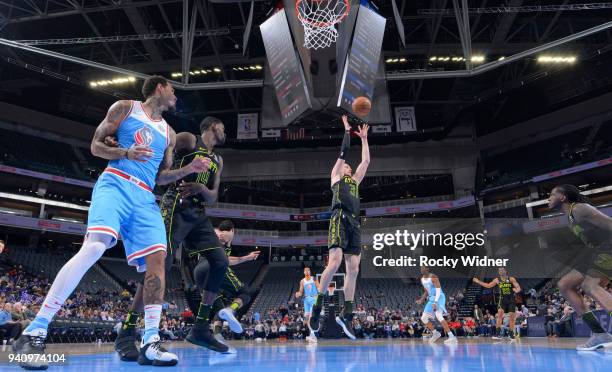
[[318, 18]]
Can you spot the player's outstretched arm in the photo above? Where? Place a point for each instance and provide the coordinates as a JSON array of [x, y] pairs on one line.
[[108, 127], [491, 284], [299, 293], [166, 175], [365, 154], [234, 260], [588, 213], [336, 172]]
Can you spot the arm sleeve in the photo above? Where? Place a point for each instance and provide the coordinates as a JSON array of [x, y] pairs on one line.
[[438, 291], [346, 144]]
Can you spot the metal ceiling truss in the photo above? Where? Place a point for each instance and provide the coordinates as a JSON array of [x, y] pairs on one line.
[[520, 9], [460, 13]]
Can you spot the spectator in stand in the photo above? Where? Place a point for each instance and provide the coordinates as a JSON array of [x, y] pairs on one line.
[[455, 326], [562, 327], [1, 246], [187, 315], [469, 327], [477, 314], [18, 315], [12, 329]]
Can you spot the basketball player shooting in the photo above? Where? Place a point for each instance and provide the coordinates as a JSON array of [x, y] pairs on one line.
[[123, 202], [308, 289], [593, 267], [344, 232]]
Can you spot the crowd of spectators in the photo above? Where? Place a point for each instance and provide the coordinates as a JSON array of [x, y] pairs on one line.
[[22, 293]]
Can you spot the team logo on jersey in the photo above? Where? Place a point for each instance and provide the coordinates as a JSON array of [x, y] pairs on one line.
[[143, 136]]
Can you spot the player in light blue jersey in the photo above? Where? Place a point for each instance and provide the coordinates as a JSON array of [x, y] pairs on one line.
[[308, 289], [435, 307], [123, 203]]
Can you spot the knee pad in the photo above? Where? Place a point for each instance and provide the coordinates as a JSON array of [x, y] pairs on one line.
[[93, 249], [426, 318], [439, 315]]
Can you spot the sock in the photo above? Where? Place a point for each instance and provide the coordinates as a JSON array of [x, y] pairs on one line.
[[131, 320], [203, 314], [348, 307], [319, 301], [152, 317], [235, 305], [47, 311], [591, 321], [37, 323], [66, 281]]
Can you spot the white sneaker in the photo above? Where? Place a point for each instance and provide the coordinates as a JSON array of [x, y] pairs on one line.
[[434, 337], [451, 340], [228, 315], [596, 341], [312, 338], [152, 353]]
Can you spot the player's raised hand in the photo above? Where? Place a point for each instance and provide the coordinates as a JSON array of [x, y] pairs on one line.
[[199, 164], [111, 141], [363, 131], [253, 256], [140, 153], [347, 126]]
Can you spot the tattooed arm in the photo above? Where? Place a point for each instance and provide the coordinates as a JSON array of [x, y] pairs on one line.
[[166, 175], [115, 115]]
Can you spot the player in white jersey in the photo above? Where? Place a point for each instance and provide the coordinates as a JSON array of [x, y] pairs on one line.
[[308, 289], [435, 307]]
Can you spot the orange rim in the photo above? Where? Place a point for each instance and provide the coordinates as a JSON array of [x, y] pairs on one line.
[[321, 24]]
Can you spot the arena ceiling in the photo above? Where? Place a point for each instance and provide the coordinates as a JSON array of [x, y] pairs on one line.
[[146, 36]]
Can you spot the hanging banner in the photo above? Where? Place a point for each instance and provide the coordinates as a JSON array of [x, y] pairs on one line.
[[405, 119], [247, 126]]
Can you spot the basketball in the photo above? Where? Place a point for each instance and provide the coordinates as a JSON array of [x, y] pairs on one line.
[[362, 106]]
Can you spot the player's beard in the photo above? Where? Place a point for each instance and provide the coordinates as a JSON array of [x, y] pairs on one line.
[[220, 140]]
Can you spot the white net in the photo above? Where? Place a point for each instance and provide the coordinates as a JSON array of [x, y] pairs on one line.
[[318, 18]]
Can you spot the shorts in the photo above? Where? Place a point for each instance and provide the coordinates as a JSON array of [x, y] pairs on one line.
[[120, 207], [507, 304], [440, 306], [344, 233], [308, 304], [189, 225], [597, 264], [231, 286]]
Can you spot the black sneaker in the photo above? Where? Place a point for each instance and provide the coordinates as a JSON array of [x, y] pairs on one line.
[[125, 345], [201, 335], [153, 354], [31, 344], [313, 323], [346, 322]]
